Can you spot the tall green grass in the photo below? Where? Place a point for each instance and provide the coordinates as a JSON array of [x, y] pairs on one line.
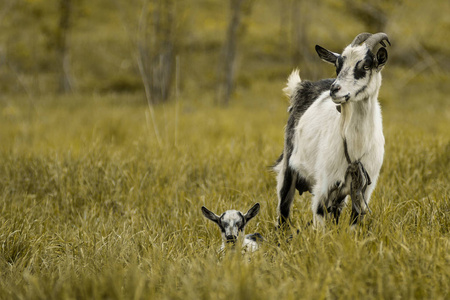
[[92, 206]]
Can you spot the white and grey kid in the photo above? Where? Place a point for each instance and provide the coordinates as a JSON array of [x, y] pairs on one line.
[[232, 226]]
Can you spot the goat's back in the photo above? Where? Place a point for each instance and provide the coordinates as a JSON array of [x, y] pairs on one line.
[[301, 97]]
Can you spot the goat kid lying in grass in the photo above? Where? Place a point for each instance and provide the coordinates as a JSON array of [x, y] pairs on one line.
[[232, 225]]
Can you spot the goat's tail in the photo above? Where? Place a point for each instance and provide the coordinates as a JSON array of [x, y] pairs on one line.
[[293, 83]]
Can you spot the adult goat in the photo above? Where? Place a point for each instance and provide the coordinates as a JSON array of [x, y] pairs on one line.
[[334, 143]]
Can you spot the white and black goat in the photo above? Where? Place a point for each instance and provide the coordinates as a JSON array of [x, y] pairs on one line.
[[232, 225], [334, 143]]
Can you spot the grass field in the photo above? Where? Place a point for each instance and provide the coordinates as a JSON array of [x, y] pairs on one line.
[[93, 206]]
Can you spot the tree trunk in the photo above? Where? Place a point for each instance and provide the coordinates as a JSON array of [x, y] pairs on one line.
[[226, 72], [62, 46], [301, 53], [156, 48], [370, 13]]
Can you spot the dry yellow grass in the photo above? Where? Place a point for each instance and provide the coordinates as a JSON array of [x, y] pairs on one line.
[[91, 206]]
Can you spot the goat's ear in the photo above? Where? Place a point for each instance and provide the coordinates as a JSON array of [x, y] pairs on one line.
[[327, 55], [210, 215], [252, 212], [382, 57]]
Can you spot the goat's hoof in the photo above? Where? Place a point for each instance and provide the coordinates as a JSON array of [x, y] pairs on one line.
[[289, 238], [283, 225]]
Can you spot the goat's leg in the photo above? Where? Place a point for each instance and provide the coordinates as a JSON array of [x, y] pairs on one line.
[[356, 216], [357, 204], [336, 200], [328, 203], [287, 179], [336, 208], [360, 181], [319, 209], [360, 206]]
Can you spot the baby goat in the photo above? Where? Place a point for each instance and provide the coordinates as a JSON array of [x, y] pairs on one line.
[[232, 225], [334, 143]]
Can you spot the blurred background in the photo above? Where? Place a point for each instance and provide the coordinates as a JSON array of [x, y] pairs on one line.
[[157, 49]]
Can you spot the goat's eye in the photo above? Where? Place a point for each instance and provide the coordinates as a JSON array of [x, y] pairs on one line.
[[367, 64]]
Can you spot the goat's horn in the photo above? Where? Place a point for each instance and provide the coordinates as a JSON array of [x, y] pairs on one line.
[[376, 38], [360, 38]]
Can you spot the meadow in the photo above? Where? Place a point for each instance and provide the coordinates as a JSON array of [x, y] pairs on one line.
[[93, 206], [100, 194]]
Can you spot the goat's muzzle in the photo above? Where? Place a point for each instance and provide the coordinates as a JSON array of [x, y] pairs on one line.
[[338, 99], [334, 89], [231, 239]]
